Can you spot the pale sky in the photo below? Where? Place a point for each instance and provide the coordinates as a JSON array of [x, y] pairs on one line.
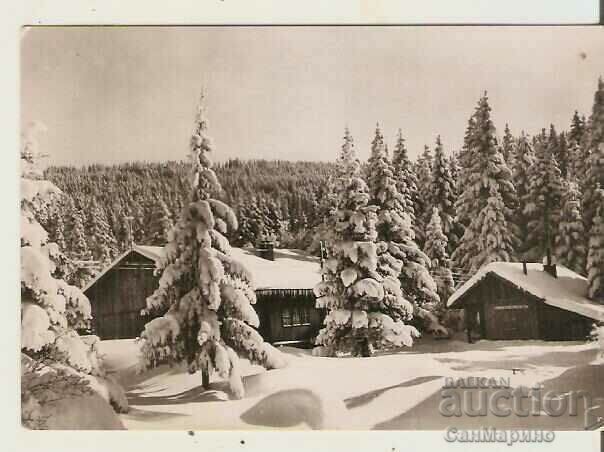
[[115, 94]]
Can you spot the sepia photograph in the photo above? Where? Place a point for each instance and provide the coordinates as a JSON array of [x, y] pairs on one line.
[[313, 228]]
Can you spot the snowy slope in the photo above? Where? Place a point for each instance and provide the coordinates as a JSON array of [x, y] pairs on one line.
[[394, 391], [567, 291]]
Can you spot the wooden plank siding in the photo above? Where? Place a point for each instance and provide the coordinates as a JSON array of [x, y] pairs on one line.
[[507, 312], [271, 305], [118, 297]]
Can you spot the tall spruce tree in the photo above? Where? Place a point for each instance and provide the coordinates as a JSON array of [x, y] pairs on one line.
[[353, 292], [577, 129], [545, 191], [160, 224], [575, 139], [423, 170], [570, 240], [208, 295], [487, 183], [522, 160], [436, 250], [595, 255], [406, 181], [507, 145], [594, 149], [465, 160], [77, 247], [442, 196], [495, 243], [101, 242], [398, 254], [563, 156]]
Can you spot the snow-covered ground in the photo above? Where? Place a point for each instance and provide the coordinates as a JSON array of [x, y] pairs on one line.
[[393, 391]]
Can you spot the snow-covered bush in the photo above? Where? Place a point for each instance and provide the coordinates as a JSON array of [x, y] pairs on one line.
[[206, 294]]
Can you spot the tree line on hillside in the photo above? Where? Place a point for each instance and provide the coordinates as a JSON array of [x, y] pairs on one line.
[[508, 198], [397, 235]]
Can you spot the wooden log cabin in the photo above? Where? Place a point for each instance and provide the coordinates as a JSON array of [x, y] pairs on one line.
[[283, 278], [506, 300]]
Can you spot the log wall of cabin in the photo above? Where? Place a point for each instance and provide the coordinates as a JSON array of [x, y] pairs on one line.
[[561, 325], [509, 312], [270, 306], [118, 297]]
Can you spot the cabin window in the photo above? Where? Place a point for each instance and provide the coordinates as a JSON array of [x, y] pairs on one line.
[[286, 317], [295, 316]]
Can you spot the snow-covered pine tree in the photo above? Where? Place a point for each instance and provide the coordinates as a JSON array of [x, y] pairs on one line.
[[56, 227], [55, 362], [494, 242], [139, 226], [423, 170], [406, 180], [577, 129], [252, 225], [507, 145], [522, 160], [329, 202], [125, 238], [210, 320], [378, 139], [484, 179], [570, 247], [76, 249], [563, 156], [101, 242], [272, 219], [544, 204], [160, 224], [77, 237], [594, 149], [463, 204], [442, 196], [352, 291], [454, 169], [436, 250], [575, 138], [398, 254], [595, 255]]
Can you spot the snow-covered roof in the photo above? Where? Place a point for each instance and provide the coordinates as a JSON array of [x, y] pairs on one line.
[[291, 269], [568, 291]]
